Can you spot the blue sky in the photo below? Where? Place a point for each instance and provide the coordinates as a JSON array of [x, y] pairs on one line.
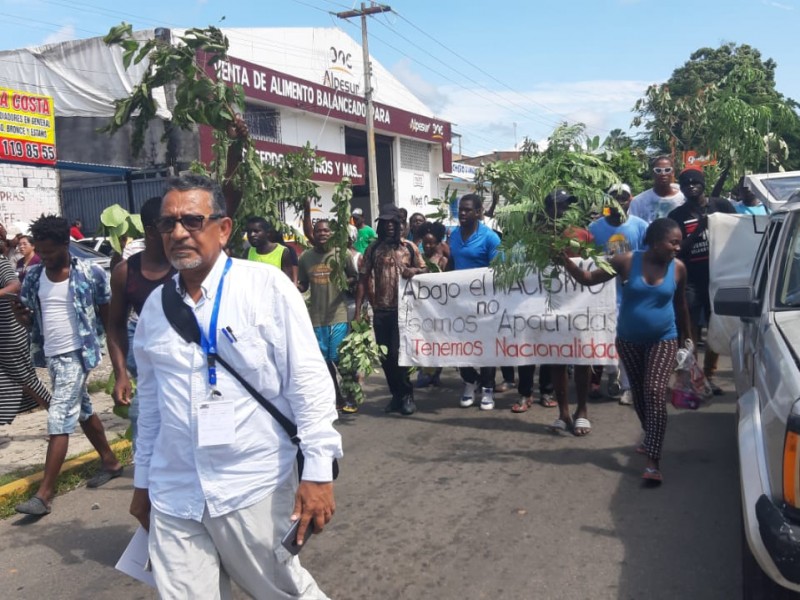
[[498, 71]]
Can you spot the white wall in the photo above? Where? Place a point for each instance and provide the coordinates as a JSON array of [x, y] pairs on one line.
[[26, 192], [297, 129]]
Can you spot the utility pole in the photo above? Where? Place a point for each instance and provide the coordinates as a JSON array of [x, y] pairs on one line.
[[364, 12]]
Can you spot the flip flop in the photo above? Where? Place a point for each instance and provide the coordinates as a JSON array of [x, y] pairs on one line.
[[547, 401], [522, 406], [584, 424], [103, 477], [558, 426], [651, 474], [33, 506]]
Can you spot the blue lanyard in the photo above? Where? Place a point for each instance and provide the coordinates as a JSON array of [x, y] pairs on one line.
[[209, 342]]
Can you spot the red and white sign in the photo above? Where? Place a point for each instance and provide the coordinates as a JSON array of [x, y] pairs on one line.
[[332, 168], [273, 87]]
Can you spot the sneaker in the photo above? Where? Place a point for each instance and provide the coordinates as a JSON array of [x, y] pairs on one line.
[[613, 387], [487, 400], [468, 395], [505, 386], [626, 398]]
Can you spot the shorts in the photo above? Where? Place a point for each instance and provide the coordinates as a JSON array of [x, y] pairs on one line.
[[329, 338], [699, 302], [71, 402]]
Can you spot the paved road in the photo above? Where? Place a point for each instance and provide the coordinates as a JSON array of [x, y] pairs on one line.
[[457, 503]]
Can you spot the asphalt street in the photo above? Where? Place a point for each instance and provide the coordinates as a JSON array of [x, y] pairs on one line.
[[455, 503]]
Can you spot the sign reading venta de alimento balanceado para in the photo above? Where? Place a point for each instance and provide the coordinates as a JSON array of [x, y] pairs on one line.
[[462, 318], [27, 128]]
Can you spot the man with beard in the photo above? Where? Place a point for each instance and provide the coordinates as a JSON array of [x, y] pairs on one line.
[[216, 477], [384, 263], [692, 218]]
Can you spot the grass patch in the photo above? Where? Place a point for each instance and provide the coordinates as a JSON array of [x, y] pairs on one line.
[[98, 385], [66, 481]]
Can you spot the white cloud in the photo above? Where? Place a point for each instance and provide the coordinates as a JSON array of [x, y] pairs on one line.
[[64, 34], [486, 119], [431, 95], [780, 5]]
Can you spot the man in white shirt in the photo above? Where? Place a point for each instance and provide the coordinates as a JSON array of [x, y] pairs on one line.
[[663, 197], [212, 465]]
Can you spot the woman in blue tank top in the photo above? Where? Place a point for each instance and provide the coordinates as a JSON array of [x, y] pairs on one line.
[[653, 322]]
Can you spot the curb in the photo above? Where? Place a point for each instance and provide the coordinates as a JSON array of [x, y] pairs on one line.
[[22, 485]]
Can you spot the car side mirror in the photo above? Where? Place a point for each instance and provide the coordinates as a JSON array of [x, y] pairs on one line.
[[737, 302]]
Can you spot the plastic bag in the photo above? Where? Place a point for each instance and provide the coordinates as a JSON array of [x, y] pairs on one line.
[[690, 388]]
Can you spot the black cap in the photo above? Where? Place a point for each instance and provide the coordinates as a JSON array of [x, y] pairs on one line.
[[692, 174], [559, 197], [389, 212]]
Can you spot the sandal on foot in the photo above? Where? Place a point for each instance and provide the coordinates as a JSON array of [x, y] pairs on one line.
[[33, 506], [582, 424], [523, 405], [350, 408], [546, 400], [103, 477], [559, 425], [652, 474]]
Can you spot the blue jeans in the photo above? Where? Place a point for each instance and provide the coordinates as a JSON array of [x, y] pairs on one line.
[[70, 402]]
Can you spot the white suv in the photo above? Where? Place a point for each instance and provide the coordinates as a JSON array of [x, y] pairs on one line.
[[765, 355]]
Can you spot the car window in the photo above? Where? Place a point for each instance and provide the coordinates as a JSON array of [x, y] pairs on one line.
[[765, 256], [788, 288]]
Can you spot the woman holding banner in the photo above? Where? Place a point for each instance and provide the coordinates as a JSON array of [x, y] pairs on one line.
[[653, 320]]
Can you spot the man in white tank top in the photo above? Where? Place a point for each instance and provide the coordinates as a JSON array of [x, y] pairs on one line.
[[64, 303]]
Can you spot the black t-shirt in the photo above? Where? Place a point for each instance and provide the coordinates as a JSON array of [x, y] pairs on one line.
[[689, 217]]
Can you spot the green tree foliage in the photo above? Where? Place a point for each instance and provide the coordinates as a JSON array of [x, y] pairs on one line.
[[723, 101], [202, 100], [531, 240]]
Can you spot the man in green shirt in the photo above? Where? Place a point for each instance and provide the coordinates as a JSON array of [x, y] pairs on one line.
[[365, 233], [328, 306]]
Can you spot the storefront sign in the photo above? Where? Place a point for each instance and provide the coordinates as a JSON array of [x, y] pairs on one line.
[[461, 318], [332, 168], [27, 128], [267, 85], [464, 171]]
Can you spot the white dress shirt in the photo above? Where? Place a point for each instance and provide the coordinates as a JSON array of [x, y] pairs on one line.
[[275, 350]]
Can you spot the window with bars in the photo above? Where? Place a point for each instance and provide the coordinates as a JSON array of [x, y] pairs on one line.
[[263, 123], [414, 155]]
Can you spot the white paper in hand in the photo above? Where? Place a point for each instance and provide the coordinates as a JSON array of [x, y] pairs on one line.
[[135, 561]]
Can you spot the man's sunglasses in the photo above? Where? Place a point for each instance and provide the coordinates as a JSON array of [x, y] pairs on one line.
[[662, 170], [189, 222]]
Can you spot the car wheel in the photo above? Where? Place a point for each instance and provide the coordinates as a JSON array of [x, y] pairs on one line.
[[756, 585]]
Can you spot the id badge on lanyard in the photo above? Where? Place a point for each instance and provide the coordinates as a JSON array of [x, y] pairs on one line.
[[216, 425]]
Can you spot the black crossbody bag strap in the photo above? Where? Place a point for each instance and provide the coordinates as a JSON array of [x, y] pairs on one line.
[[183, 321]]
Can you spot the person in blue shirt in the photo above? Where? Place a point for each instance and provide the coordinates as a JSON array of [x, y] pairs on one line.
[[616, 235], [748, 203], [473, 245]]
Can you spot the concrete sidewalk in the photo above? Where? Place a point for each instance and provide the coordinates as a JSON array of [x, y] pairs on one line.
[[23, 444]]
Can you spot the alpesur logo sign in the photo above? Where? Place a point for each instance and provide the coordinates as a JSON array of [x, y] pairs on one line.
[[339, 72]]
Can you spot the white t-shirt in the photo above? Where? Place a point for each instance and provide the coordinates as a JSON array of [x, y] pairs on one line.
[[650, 206], [59, 321]]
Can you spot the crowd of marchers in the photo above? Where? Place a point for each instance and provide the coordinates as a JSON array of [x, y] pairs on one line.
[[213, 340]]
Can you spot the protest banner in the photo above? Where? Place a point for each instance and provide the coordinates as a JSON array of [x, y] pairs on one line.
[[463, 318]]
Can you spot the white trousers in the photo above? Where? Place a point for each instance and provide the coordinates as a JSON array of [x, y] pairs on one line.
[[194, 560]]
